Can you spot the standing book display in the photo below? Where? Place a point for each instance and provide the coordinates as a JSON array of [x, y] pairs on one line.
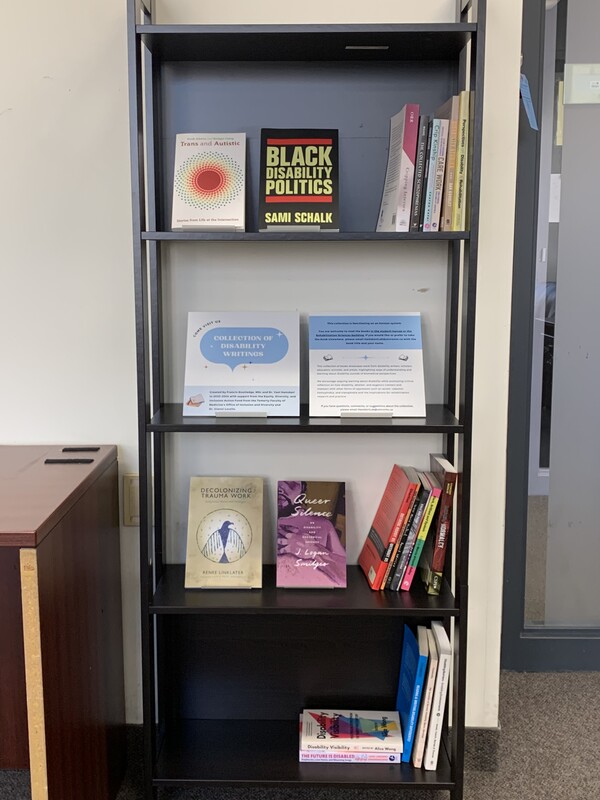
[[209, 182], [242, 363]]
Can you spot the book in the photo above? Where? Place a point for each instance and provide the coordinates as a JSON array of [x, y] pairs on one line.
[[299, 180], [415, 652], [363, 364], [420, 164], [311, 534], [406, 516], [449, 111], [462, 152], [242, 363], [434, 553], [224, 535], [432, 203], [394, 212], [426, 699], [209, 182], [440, 693], [424, 528], [346, 731], [347, 756], [387, 523], [420, 504]]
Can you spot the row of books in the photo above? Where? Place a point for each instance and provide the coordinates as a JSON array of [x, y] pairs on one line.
[[411, 732], [425, 186], [426, 179], [411, 528]]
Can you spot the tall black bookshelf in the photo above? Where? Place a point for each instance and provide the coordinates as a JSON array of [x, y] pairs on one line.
[[226, 673]]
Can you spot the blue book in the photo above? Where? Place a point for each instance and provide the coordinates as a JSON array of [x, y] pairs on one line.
[[415, 653]]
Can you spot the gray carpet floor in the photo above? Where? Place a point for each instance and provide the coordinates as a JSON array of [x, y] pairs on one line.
[[548, 748]]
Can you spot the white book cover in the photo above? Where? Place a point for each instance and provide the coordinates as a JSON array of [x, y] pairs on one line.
[[440, 171], [365, 365], [440, 693], [439, 138], [350, 731], [426, 700], [224, 539], [394, 213], [209, 182], [242, 363]]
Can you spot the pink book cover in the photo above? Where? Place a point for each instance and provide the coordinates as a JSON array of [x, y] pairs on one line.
[[407, 165], [311, 534]]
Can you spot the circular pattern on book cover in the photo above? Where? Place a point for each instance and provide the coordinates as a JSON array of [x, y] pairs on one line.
[[224, 536], [209, 180]]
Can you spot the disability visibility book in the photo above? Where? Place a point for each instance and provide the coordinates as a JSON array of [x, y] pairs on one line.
[[346, 731], [299, 180], [224, 540], [242, 363], [209, 182], [311, 534]]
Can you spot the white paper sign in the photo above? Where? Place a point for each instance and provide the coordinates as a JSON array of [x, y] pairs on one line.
[[242, 363], [365, 364]]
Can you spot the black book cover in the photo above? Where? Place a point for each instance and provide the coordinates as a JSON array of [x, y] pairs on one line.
[[299, 180], [420, 164]]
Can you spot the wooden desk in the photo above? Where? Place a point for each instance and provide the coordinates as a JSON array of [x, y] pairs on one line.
[[61, 677]]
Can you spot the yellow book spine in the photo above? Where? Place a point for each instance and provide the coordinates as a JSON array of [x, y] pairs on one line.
[[462, 151]]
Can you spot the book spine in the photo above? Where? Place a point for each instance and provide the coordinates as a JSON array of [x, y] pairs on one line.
[[411, 729], [350, 758], [440, 167], [399, 528], [400, 544], [420, 157], [410, 133], [434, 734], [442, 535], [420, 541], [423, 724], [446, 213], [431, 174], [458, 200], [409, 543]]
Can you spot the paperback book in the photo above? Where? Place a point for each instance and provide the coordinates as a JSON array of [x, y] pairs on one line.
[[415, 653], [440, 693], [394, 212], [209, 182], [426, 700], [242, 364], [311, 534], [224, 538], [351, 731], [299, 180], [436, 547], [432, 204]]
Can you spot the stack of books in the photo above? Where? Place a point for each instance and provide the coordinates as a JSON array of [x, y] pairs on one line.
[[368, 737], [426, 178], [411, 528]]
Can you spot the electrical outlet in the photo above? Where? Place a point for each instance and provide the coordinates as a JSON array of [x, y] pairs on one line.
[[131, 500]]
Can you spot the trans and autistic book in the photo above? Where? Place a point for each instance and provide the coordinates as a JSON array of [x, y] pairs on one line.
[[209, 182], [299, 180], [311, 534]]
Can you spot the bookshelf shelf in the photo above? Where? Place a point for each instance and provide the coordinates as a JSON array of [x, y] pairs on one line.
[[219, 751], [215, 663], [357, 599]]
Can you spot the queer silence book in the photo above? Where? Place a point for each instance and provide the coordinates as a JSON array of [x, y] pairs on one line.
[[299, 180], [224, 539], [311, 534], [242, 363], [209, 182], [348, 731]]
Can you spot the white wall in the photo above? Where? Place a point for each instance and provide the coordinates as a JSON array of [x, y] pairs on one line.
[[66, 314]]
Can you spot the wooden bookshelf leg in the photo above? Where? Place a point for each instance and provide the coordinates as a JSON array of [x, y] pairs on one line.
[[33, 674]]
